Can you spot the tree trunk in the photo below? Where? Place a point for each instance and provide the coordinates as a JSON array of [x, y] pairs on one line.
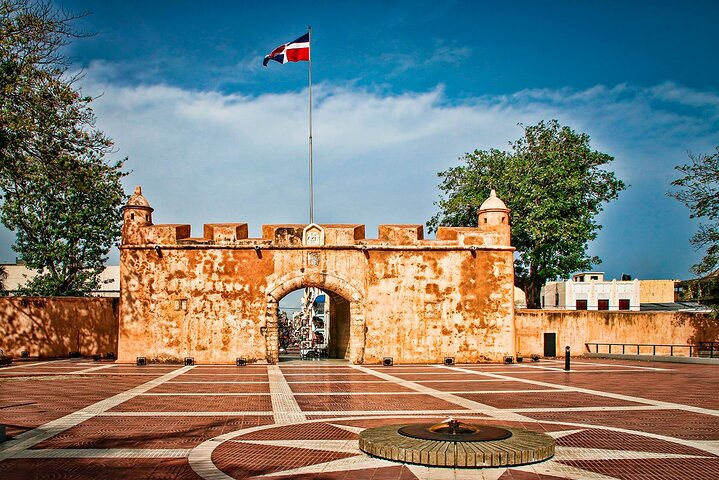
[[533, 288]]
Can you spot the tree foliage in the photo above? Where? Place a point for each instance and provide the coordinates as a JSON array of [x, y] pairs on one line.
[[698, 189], [554, 184], [60, 194]]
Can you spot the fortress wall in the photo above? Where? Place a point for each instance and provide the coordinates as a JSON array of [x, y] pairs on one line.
[[214, 298], [423, 306], [56, 326], [414, 301], [576, 327], [203, 303]]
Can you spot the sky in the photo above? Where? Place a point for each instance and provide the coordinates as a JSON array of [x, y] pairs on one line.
[[401, 90]]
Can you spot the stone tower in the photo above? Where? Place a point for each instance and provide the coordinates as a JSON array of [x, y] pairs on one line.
[[136, 214], [493, 216]]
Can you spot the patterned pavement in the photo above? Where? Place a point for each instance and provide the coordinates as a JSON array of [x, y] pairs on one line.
[[97, 420]]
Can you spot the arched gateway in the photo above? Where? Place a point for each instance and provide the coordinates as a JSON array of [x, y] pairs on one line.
[[215, 298]]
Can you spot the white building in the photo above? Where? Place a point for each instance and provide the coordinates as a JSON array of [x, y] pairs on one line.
[[590, 291], [311, 323], [18, 274]]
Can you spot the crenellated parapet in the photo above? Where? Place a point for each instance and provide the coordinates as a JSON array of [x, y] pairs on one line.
[[492, 231]]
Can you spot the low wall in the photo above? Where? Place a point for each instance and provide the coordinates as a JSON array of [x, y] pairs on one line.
[[54, 327], [576, 327]]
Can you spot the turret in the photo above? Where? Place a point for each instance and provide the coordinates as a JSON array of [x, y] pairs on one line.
[[136, 214], [494, 216]]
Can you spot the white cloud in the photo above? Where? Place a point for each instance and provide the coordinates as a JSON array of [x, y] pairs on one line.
[[205, 156]]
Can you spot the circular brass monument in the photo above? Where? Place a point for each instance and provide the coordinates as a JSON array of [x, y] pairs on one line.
[[457, 444]]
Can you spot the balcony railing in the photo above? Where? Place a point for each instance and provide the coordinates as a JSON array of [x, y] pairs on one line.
[[702, 349]]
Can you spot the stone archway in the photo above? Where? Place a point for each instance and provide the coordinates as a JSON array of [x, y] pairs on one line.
[[340, 288]]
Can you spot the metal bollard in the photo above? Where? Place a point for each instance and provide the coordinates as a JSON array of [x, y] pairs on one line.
[[566, 358]]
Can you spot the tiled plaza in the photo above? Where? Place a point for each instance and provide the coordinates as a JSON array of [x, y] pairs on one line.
[[96, 420]]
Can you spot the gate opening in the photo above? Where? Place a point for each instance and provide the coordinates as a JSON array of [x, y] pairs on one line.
[[313, 324]]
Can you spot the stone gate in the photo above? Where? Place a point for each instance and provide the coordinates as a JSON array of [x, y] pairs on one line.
[[215, 297]]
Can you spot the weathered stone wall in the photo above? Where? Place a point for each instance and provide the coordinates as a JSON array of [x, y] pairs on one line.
[[54, 327], [207, 304], [416, 305], [423, 306], [215, 298], [576, 327], [339, 327]]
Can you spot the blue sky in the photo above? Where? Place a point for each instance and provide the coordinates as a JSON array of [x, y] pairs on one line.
[[402, 89]]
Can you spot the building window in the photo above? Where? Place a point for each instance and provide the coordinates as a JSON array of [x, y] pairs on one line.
[[556, 299], [623, 304], [581, 304], [602, 304], [594, 277]]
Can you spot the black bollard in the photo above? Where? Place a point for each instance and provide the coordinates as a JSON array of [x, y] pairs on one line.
[[566, 358]]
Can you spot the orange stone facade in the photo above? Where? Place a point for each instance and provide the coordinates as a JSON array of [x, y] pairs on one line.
[[215, 298]]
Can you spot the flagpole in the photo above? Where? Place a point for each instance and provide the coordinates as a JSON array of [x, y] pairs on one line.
[[312, 219]]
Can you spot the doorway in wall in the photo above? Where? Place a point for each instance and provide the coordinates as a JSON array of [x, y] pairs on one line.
[[550, 344], [313, 324]]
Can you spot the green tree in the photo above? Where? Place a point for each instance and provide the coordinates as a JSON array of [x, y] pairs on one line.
[[3, 277], [698, 189], [60, 194], [554, 184]]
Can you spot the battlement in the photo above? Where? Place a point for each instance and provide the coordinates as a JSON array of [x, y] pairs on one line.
[[292, 235], [493, 230]]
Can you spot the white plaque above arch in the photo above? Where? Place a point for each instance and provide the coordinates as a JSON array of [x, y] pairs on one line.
[[313, 235]]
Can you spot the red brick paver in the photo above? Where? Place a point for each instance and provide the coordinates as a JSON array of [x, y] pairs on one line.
[[619, 419]]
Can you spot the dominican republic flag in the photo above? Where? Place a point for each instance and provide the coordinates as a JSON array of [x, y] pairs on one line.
[[296, 51]]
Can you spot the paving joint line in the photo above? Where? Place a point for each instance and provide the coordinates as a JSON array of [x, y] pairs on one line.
[[284, 406], [34, 364], [471, 405], [105, 453], [92, 369], [616, 396], [48, 430]]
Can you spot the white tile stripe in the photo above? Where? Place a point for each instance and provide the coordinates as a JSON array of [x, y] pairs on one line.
[[291, 382], [332, 394], [621, 408], [333, 413], [105, 453], [315, 382], [518, 370], [619, 365], [61, 372], [34, 364], [616, 396], [93, 369], [30, 438], [284, 406], [448, 397]]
